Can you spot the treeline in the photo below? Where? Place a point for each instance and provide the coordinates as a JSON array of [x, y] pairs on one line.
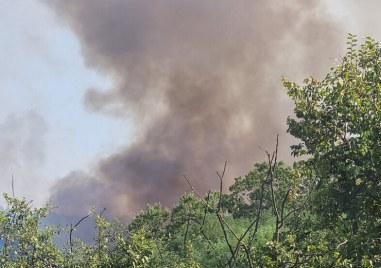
[[324, 211]]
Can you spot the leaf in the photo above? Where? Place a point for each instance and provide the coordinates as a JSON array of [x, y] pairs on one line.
[[340, 81]]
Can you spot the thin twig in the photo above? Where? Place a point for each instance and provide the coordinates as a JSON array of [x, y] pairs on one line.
[[223, 222], [72, 228], [186, 232], [13, 188], [203, 223], [283, 205], [221, 184]]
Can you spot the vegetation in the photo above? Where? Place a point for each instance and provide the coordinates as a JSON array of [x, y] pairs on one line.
[[324, 211]]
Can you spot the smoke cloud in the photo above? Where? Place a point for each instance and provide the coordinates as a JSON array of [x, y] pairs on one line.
[[202, 81], [22, 152]]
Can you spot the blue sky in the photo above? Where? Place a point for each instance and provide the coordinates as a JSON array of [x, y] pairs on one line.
[[46, 130]]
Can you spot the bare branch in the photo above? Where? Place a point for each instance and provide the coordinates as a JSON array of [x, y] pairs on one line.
[[100, 214], [221, 184], [223, 222], [194, 190], [13, 188], [72, 228], [186, 232], [223, 172], [203, 223], [283, 205]]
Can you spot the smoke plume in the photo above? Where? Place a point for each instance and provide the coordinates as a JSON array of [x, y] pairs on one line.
[[202, 81], [22, 152]]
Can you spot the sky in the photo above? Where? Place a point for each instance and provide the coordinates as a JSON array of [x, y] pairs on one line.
[[108, 103], [45, 130]]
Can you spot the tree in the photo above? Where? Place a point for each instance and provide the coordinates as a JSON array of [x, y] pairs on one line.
[[24, 241], [338, 121], [243, 201]]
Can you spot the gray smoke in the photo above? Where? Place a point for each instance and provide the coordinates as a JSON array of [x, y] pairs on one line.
[[202, 81], [22, 152]]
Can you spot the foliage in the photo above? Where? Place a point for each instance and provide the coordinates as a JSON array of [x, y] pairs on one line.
[[24, 242], [339, 124]]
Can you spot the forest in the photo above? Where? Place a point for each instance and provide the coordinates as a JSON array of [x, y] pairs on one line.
[[323, 211]]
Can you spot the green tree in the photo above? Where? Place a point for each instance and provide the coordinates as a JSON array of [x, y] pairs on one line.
[[245, 192], [25, 241], [338, 121]]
